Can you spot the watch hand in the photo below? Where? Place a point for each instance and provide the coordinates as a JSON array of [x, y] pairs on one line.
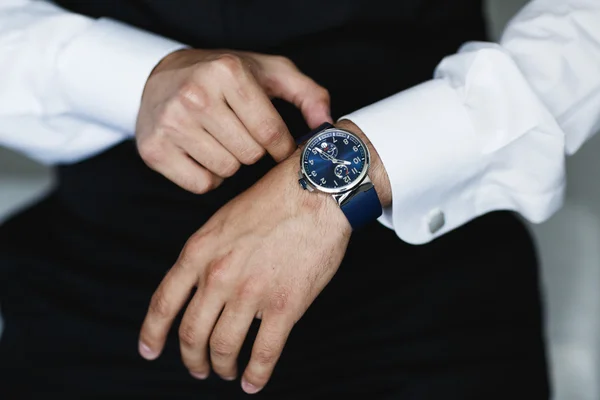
[[327, 156], [344, 162], [331, 158]]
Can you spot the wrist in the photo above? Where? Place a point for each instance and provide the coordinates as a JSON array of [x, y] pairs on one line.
[[320, 204], [377, 171], [316, 200]]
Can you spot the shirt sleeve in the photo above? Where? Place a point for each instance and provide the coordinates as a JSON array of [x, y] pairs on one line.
[[71, 85], [492, 129]]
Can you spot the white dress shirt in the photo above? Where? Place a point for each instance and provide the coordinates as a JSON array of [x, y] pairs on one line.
[[489, 132]]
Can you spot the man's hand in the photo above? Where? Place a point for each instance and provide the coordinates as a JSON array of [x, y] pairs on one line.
[[268, 253], [203, 113]]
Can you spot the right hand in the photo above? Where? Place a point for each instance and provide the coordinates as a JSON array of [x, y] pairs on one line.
[[204, 113]]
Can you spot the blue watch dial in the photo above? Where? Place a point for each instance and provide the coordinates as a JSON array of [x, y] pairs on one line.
[[334, 160]]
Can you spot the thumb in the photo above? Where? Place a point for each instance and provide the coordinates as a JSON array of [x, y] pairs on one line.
[[288, 83]]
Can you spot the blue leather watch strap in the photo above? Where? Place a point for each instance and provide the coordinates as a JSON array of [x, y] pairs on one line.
[[365, 207], [310, 134]]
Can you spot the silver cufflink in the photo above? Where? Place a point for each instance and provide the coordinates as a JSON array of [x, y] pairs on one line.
[[436, 220]]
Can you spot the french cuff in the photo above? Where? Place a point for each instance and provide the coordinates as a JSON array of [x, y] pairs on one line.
[[103, 71], [430, 151]]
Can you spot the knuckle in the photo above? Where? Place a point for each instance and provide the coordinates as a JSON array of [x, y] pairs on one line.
[[271, 132], [204, 184], [200, 182], [193, 96], [151, 151], [195, 244], [229, 166], [188, 335], [323, 94], [284, 60], [229, 64], [159, 306], [265, 356], [280, 302], [221, 347], [251, 155], [217, 273]]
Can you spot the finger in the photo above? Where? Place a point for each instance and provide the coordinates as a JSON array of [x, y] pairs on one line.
[[289, 83], [201, 315], [225, 126], [208, 152], [179, 168], [194, 331], [254, 108], [170, 296], [229, 334], [269, 343]]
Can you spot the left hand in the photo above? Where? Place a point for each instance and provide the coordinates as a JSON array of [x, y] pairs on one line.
[[267, 253]]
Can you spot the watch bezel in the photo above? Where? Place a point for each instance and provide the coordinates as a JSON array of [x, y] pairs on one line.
[[342, 189]]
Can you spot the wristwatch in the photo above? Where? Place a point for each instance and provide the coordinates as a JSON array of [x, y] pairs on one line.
[[336, 162]]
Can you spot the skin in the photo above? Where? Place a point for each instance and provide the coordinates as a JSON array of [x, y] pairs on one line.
[[204, 113], [267, 253]]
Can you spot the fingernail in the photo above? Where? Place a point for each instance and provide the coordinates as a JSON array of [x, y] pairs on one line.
[[199, 375], [147, 352], [248, 387], [228, 378]]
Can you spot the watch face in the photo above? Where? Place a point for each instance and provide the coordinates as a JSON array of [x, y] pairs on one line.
[[335, 160]]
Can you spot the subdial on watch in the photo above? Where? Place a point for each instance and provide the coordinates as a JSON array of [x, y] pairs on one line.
[[341, 171], [330, 149]]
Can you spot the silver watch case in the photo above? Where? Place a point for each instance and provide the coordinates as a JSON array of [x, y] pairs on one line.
[[343, 194]]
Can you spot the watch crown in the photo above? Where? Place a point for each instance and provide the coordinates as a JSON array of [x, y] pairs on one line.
[[305, 185], [302, 183]]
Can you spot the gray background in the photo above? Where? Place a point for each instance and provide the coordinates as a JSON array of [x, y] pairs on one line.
[[568, 245]]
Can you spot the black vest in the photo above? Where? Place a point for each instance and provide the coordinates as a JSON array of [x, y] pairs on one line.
[[263, 25], [360, 50]]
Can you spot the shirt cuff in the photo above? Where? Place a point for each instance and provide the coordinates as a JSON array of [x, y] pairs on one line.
[[451, 159], [415, 132], [103, 72]]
